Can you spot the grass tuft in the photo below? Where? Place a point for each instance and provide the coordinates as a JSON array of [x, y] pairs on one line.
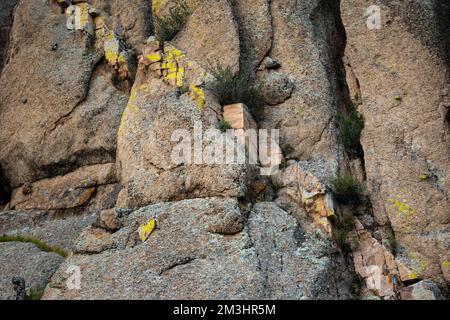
[[38, 243], [168, 27], [224, 126], [230, 89], [343, 224], [347, 189], [350, 127]]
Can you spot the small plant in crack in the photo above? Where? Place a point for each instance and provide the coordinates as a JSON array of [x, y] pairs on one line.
[[168, 27], [350, 127], [229, 88], [38, 243], [347, 189], [224, 126], [343, 224], [287, 149], [34, 294], [276, 184]]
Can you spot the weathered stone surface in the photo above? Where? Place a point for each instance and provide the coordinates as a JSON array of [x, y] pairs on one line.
[[146, 143], [376, 265], [276, 88], [255, 30], [307, 194], [423, 290], [297, 264], [180, 259], [58, 110], [131, 20], [201, 250], [6, 13], [49, 227], [305, 55], [402, 80], [27, 261], [65, 192], [211, 35]]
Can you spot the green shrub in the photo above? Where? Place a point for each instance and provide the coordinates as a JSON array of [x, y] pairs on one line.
[[38, 243], [224, 125], [350, 127], [168, 27], [230, 89], [347, 189], [343, 224]]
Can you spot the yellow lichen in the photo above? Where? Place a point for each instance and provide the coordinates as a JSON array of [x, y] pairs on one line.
[[154, 57], [131, 108], [156, 5], [424, 177], [111, 48], [84, 14], [446, 264], [413, 276], [402, 208], [199, 96], [146, 229]]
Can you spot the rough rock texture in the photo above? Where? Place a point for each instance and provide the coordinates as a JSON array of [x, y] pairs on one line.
[[27, 261], [65, 192], [423, 290], [6, 10], [404, 89], [131, 20], [307, 41], [202, 249], [49, 227], [56, 115], [146, 142], [255, 30], [89, 104], [211, 35]]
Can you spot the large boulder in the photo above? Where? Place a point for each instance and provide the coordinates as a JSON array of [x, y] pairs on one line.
[[27, 261], [69, 191], [203, 249], [400, 75], [146, 141], [60, 102]]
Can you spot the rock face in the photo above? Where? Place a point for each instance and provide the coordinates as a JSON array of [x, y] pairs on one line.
[[147, 137], [6, 13], [211, 35], [201, 249], [65, 112], [403, 80], [27, 261], [108, 149]]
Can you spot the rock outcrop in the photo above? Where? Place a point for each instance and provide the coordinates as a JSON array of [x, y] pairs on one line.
[[403, 85], [108, 149], [25, 260], [203, 249]]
